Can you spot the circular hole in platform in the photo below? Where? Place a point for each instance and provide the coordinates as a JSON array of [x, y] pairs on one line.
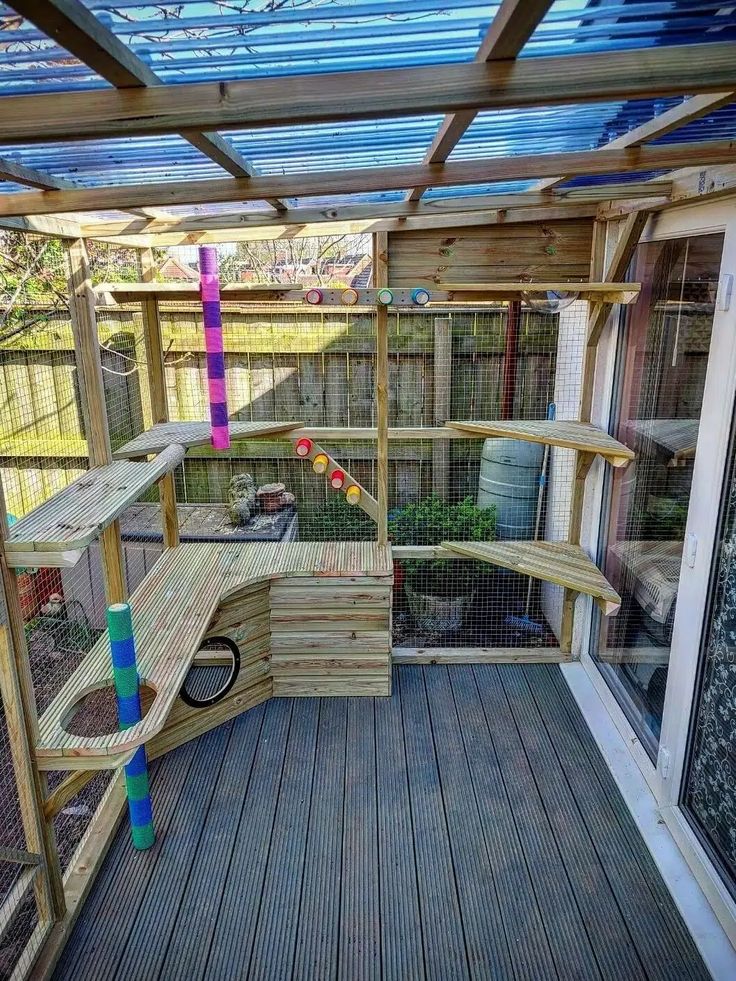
[[213, 672], [96, 713]]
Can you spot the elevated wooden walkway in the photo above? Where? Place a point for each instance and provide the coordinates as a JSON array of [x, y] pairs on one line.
[[320, 642], [465, 828]]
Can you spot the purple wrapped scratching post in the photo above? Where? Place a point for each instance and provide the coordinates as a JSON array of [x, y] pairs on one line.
[[210, 290]]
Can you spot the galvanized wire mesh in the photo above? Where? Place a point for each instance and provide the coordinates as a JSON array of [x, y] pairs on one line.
[[316, 367]]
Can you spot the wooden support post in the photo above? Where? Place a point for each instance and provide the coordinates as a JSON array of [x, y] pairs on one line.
[[21, 718], [380, 278], [87, 350], [583, 464], [442, 388], [568, 620], [513, 322], [157, 394]]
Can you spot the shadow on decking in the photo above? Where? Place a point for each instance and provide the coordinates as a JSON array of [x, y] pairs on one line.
[[466, 827]]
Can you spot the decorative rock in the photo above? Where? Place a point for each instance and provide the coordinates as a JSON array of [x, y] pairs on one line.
[[270, 497], [241, 498]]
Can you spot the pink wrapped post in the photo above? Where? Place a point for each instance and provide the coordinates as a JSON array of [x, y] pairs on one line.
[[209, 284]]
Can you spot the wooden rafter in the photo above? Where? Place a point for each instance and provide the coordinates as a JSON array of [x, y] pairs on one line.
[[391, 209], [666, 122], [341, 96], [78, 31], [510, 29], [331, 182], [19, 174], [628, 240]]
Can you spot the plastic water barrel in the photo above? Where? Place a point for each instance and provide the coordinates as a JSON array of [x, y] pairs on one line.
[[509, 479]]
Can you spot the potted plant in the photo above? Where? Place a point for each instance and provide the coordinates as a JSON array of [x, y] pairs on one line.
[[439, 591]]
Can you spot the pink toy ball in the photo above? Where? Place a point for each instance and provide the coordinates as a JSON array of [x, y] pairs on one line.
[[314, 296], [303, 447], [337, 479]]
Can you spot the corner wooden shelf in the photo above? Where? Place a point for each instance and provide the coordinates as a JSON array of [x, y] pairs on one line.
[[572, 435], [57, 531], [174, 609], [556, 562], [188, 434]]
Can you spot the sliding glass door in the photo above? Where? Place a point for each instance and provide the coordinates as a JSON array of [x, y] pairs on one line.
[[662, 361], [708, 796]]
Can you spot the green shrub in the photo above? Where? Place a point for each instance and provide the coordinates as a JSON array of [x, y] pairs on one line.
[[335, 521], [432, 521]]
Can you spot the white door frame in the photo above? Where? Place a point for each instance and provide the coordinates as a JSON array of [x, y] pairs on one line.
[[665, 777]]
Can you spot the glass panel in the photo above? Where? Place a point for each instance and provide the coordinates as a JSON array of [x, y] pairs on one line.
[[661, 370], [709, 790]]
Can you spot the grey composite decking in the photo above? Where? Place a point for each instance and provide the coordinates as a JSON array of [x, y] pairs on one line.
[[467, 827]]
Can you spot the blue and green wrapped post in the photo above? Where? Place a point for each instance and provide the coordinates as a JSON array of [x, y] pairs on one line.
[[127, 689]]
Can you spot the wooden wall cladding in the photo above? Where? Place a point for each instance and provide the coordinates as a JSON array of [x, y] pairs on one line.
[[497, 253]]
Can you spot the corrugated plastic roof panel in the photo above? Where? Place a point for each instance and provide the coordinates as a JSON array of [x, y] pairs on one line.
[[200, 40]]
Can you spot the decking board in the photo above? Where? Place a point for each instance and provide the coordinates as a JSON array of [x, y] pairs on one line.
[[454, 830]]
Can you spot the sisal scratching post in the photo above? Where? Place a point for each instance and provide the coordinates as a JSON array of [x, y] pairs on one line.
[[209, 283], [127, 689]]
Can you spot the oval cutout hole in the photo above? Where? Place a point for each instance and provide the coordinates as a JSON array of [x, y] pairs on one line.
[[96, 713]]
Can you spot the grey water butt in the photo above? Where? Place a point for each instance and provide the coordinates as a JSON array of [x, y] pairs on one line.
[[509, 479]]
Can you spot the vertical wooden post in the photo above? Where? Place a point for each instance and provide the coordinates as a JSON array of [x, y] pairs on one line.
[[513, 322], [157, 393], [380, 278], [583, 461], [87, 351], [21, 717], [442, 387]]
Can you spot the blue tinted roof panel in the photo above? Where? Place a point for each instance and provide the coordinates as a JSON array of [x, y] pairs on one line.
[[201, 40]]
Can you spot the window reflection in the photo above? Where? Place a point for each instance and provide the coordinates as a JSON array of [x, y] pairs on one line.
[[661, 369]]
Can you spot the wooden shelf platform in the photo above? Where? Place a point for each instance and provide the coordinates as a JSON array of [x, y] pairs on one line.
[[188, 434], [173, 610], [572, 435], [556, 562], [55, 533], [597, 292]]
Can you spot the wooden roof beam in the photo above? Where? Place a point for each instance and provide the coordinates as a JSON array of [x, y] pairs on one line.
[[390, 209], [666, 122], [341, 96], [510, 29], [362, 180], [78, 31], [281, 231]]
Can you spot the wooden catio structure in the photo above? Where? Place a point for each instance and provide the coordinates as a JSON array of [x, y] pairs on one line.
[[540, 245]]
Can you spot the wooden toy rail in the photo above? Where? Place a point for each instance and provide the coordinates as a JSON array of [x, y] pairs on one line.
[[172, 611]]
